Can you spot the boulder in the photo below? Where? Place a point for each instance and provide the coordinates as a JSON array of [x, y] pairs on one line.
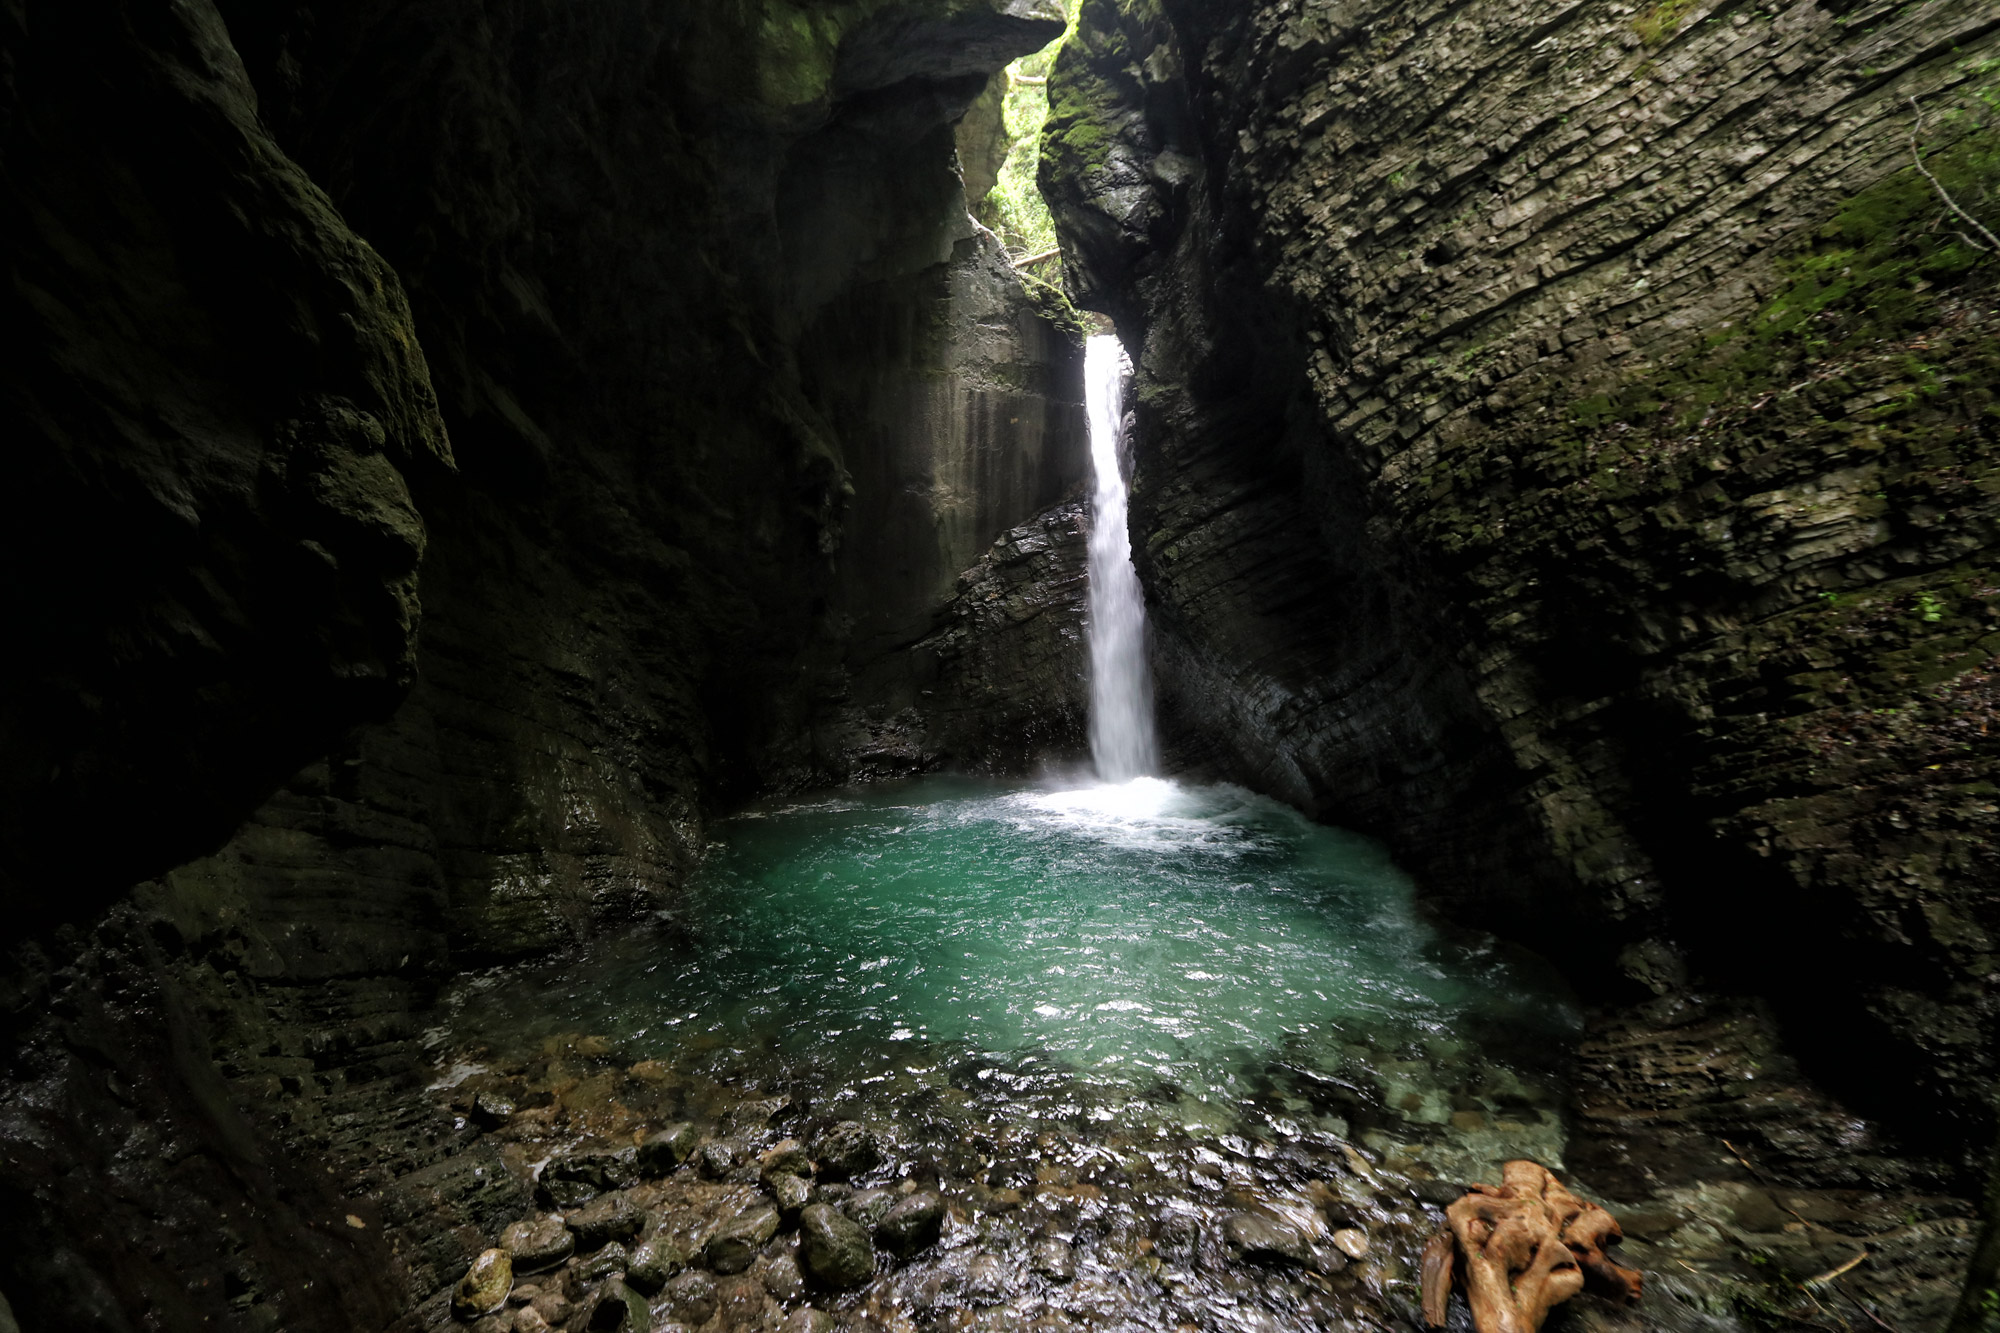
[[835, 1248], [485, 1285]]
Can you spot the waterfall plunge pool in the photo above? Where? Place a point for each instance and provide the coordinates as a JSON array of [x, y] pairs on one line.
[[1129, 957]]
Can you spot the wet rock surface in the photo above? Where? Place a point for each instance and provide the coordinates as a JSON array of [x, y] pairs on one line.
[[1299, 1212], [1490, 475], [1487, 478]]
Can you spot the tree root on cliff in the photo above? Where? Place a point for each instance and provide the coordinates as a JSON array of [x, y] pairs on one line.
[[1524, 1248]]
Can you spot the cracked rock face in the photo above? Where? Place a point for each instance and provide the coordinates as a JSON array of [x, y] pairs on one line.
[[1494, 496]]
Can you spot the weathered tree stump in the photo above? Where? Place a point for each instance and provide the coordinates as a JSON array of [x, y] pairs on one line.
[[1524, 1248]]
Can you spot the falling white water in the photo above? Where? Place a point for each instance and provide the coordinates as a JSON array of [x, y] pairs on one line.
[[1121, 689]]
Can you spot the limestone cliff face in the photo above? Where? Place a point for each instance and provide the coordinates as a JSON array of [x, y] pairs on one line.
[[1565, 447], [734, 392]]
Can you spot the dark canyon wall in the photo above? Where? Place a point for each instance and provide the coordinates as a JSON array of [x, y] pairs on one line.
[[671, 354], [1580, 422]]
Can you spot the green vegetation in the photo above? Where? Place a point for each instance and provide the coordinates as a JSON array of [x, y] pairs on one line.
[[1014, 209], [1659, 23], [1875, 275]]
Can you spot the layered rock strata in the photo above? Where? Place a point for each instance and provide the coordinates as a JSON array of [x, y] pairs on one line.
[[1565, 447]]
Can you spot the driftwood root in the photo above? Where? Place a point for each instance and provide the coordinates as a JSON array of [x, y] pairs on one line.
[[1522, 1248]]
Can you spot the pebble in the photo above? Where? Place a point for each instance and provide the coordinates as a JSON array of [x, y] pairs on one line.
[[1351, 1242], [835, 1247], [809, 1320], [529, 1320], [485, 1285]]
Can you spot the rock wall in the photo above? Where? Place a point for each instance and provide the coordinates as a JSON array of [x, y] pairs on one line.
[[1565, 448], [676, 537]]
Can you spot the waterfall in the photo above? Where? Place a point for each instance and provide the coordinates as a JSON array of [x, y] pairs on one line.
[[1121, 688]]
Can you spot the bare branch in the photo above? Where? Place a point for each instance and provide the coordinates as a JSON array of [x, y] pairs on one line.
[[1992, 245], [1026, 260]]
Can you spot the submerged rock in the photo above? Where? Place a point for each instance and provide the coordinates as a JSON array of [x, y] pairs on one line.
[[536, 1243], [784, 1280], [788, 1158], [1053, 1259], [835, 1247], [652, 1263], [691, 1298], [485, 1285], [610, 1217], [912, 1224], [1351, 1242], [846, 1150], [619, 1309], [607, 1261], [735, 1242], [790, 1192], [580, 1177], [869, 1207], [491, 1108], [665, 1149], [715, 1160], [1262, 1237]]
